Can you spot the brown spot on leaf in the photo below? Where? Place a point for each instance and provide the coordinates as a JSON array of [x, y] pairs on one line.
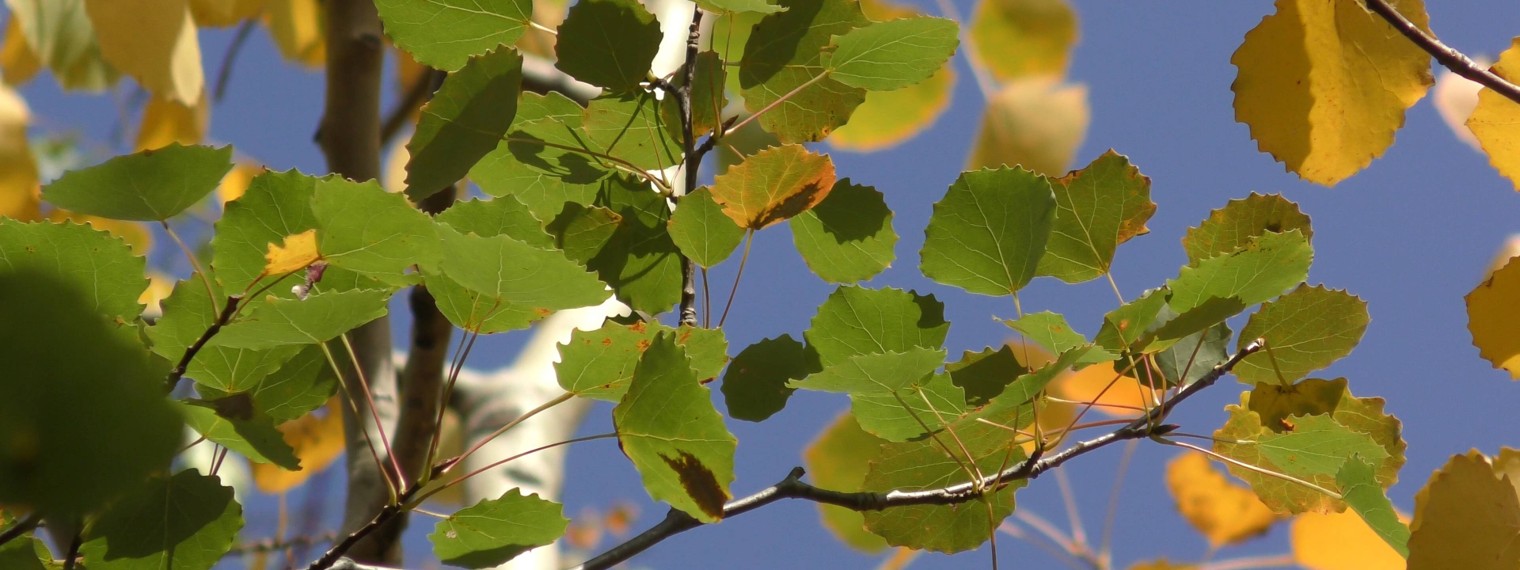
[[643, 344], [699, 483], [638, 327], [542, 312]]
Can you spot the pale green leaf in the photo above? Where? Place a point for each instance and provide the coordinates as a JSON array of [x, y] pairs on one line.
[[856, 320], [702, 231], [891, 55], [494, 531], [1097, 208], [446, 33], [147, 186], [100, 266], [1306, 330]]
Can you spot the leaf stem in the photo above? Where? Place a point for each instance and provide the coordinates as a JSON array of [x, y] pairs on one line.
[[778, 101], [430, 492], [194, 263], [749, 238], [557, 400]]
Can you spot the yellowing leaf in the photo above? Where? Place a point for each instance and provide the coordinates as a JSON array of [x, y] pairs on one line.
[[1224, 512], [317, 439], [773, 185], [63, 40], [1493, 120], [134, 233], [1493, 318], [18, 63], [1467, 517], [1037, 123], [297, 29], [236, 182], [1112, 393], [221, 13], [1340, 541], [299, 250], [18, 170], [1019, 38], [154, 41], [159, 288], [167, 121], [1324, 85], [888, 118]]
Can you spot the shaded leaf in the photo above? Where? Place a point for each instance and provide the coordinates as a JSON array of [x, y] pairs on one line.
[[631, 127], [784, 52], [465, 119], [639, 261], [1232, 227], [1189, 358], [708, 99], [1097, 208], [1493, 318], [848, 236], [984, 374], [147, 186], [446, 33], [272, 321], [1019, 38], [731, 6], [1306, 330], [608, 43], [1036, 123], [581, 231], [702, 231], [187, 521], [756, 384], [1467, 516], [494, 531], [1223, 512], [773, 185], [894, 54], [857, 320], [99, 266], [317, 439], [254, 436], [838, 459], [988, 233]]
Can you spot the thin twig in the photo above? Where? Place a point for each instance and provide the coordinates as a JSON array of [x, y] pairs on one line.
[[21, 527], [415, 95], [272, 545], [229, 311], [693, 160], [793, 487], [224, 73], [1448, 57]]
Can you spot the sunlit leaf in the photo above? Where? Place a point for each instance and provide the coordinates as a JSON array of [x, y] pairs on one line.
[[1493, 318], [988, 233], [154, 41], [848, 236], [504, 216], [18, 63], [773, 185], [1493, 118], [1467, 516], [609, 43], [1277, 405], [756, 384], [370, 231], [446, 33], [757, 6], [494, 531], [275, 205], [508, 284], [889, 118], [272, 321], [62, 38], [838, 460], [1306, 330], [891, 55], [1036, 123], [1312, 451], [1097, 208], [222, 13], [187, 521], [465, 119], [166, 121], [1232, 227], [1371, 524], [298, 251], [1224, 512], [857, 320], [252, 435], [1019, 38], [101, 267], [702, 231], [299, 31], [888, 391], [1329, 105], [784, 54], [1048, 330], [599, 364], [147, 186], [667, 426], [18, 168], [1262, 269]]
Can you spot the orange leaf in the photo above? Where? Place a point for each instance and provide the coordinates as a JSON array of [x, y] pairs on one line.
[[1340, 541], [17, 60], [317, 439], [1225, 513], [299, 250], [773, 185]]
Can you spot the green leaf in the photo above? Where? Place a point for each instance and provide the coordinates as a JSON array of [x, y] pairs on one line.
[[708, 99], [987, 235], [1306, 330], [446, 33], [504, 216], [599, 364], [891, 55], [187, 522], [494, 531], [856, 320], [632, 128], [276, 204], [1124, 328], [93, 262], [700, 229], [505, 284], [78, 430], [187, 313], [784, 52], [1313, 451], [1265, 267], [1365, 496], [983, 375], [608, 43], [739, 6], [1021, 38], [891, 393], [23, 554], [1317, 446], [252, 435], [465, 119], [1097, 208], [640, 261], [321, 317], [581, 231], [1189, 358], [1232, 227], [848, 236], [773, 185], [838, 460], [755, 386], [1048, 330], [667, 426], [146, 186], [1277, 405], [375, 233], [300, 385], [542, 162]]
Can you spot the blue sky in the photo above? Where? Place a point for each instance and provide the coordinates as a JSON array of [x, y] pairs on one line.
[[1411, 235]]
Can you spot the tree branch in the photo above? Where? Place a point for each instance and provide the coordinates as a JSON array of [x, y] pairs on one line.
[[793, 487], [21, 527], [229, 311], [693, 160], [1449, 57]]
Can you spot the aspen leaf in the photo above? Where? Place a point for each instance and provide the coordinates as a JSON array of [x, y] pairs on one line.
[[1313, 451], [1493, 318], [60, 35], [18, 63], [1493, 119], [1230, 228], [150, 185], [983, 375], [599, 364], [1306, 329], [297, 251], [784, 53], [18, 168], [317, 439], [1323, 85], [988, 233], [1467, 516], [1036, 123], [838, 459], [298, 30], [154, 41], [100, 266], [755, 386], [321, 317], [885, 56], [1375, 519], [236, 182], [465, 119], [856, 320], [894, 395], [1020, 38], [1162, 564], [848, 236], [241, 429], [889, 118], [1098, 207], [630, 126], [447, 33], [731, 6], [772, 185], [1260, 270], [223, 13], [1048, 331], [701, 229], [608, 43], [1109, 392], [1340, 541], [494, 531], [1224, 512], [166, 121], [135, 234], [185, 521]]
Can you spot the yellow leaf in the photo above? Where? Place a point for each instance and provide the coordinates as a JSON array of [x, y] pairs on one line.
[[1340, 541], [167, 121], [60, 35], [393, 173], [1495, 118], [134, 233], [1036, 123], [1493, 318], [1225, 513], [297, 28], [1467, 517], [1108, 391], [1020, 38], [159, 287], [299, 250], [773, 185], [888, 118], [317, 439], [18, 169], [1324, 85], [220, 13], [17, 60], [154, 41], [549, 13], [236, 182], [1454, 98]]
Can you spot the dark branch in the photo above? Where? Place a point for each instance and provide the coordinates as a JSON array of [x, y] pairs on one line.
[[224, 74], [229, 311], [793, 487], [274, 545], [21, 527], [1449, 57], [693, 159]]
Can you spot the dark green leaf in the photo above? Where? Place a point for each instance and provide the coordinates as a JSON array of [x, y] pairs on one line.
[[187, 313], [1097, 208], [608, 43], [702, 231], [987, 235], [466, 118], [300, 385], [146, 186], [253, 435], [640, 261], [543, 161], [891, 55], [599, 364], [494, 531], [1232, 227], [1189, 358], [93, 262], [1124, 328], [755, 387], [785, 52], [446, 33], [581, 231], [848, 236], [1306, 330], [708, 98], [272, 321], [22, 554], [184, 522], [501, 216], [856, 320], [738, 6], [983, 375]]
